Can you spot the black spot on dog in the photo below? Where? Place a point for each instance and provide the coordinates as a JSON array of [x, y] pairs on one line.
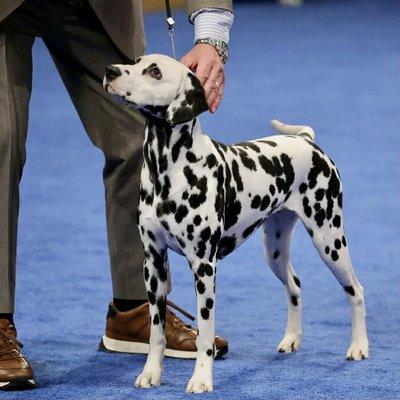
[[158, 262], [319, 194], [209, 352], [303, 188], [338, 244], [310, 232], [236, 176], [205, 269], [166, 207], [197, 220], [214, 241], [265, 202], [165, 189], [162, 306], [294, 300], [248, 162], [297, 281], [146, 274], [205, 234], [276, 254], [220, 147], [272, 189], [306, 207], [334, 255], [344, 241], [281, 168], [205, 313], [201, 249], [226, 245], [255, 203], [327, 250], [191, 157], [336, 221], [185, 140], [249, 145], [320, 217], [185, 195], [340, 200], [181, 242], [350, 290], [320, 166], [209, 303], [270, 142], [334, 184], [153, 284], [201, 288], [181, 213], [249, 230], [152, 297], [190, 230], [211, 161], [165, 225], [151, 236], [156, 320], [233, 205]]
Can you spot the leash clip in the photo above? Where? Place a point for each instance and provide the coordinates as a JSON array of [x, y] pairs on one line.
[[171, 25]]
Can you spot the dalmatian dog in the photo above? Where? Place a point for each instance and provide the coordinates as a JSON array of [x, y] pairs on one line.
[[202, 199]]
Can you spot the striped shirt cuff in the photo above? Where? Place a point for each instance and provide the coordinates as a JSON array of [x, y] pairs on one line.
[[212, 23]]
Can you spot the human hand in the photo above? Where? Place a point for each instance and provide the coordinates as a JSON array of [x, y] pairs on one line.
[[205, 62]]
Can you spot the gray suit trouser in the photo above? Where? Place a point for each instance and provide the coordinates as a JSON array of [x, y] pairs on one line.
[[81, 50]]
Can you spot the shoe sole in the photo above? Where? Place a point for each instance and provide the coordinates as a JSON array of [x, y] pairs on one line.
[[122, 346], [18, 384]]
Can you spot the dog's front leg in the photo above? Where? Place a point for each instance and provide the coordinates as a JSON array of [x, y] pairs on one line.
[[202, 379], [156, 276]]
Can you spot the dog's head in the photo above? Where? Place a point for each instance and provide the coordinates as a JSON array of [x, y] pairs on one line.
[[158, 86]]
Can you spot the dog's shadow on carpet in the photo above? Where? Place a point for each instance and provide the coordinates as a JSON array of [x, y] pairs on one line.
[[81, 364]]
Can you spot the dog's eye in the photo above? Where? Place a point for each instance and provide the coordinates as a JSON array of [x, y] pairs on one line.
[[155, 73]]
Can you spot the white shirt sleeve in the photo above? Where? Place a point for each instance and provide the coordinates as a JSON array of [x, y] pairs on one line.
[[212, 23]]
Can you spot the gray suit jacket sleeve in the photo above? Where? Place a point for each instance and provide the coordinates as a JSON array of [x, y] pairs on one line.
[[194, 5]]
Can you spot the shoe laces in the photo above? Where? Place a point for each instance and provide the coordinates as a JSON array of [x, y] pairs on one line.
[[11, 343], [177, 321]]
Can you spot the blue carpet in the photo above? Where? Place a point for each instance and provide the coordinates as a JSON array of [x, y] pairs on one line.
[[331, 64]]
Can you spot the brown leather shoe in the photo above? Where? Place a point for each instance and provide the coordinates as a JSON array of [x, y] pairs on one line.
[[129, 332], [15, 370]]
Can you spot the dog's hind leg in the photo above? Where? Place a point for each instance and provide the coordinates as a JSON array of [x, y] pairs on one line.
[[325, 226], [202, 379], [155, 268], [277, 231]]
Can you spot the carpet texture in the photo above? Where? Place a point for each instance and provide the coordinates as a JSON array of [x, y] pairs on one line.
[[333, 65]]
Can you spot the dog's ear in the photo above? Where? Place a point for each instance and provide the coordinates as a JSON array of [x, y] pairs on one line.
[[188, 103]]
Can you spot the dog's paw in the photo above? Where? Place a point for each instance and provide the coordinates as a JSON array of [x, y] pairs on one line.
[[357, 351], [289, 343], [199, 384], [148, 379]]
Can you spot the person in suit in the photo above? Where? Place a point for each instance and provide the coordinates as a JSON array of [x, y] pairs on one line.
[[83, 37]]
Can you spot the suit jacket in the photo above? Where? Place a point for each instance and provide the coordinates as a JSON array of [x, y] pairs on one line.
[[123, 19]]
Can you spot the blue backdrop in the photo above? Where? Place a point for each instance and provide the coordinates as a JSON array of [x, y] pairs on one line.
[[333, 65]]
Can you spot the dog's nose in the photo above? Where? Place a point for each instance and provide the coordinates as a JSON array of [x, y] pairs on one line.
[[112, 72]]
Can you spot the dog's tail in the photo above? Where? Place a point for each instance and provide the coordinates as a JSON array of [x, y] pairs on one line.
[[287, 129]]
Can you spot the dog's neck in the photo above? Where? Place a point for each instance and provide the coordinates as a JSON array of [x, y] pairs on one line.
[[165, 146]]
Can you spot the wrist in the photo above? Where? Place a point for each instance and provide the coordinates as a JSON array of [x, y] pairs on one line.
[[219, 46]]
